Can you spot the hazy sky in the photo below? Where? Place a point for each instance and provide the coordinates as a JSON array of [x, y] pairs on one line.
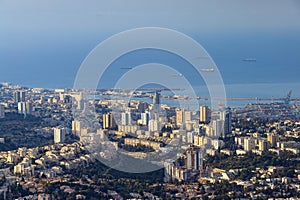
[[39, 38], [63, 16]]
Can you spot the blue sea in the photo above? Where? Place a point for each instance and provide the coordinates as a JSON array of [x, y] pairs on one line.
[[275, 72]]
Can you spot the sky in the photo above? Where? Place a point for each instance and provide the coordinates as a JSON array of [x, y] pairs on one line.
[[43, 43]]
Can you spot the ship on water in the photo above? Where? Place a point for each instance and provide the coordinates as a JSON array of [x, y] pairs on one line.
[[249, 59], [207, 69], [126, 68]]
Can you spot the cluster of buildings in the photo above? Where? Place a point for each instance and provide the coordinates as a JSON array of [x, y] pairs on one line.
[[154, 125], [148, 124], [192, 165], [268, 141], [48, 161], [24, 106], [135, 142]]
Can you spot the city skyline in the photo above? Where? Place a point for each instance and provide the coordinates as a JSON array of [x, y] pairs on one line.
[[137, 99], [63, 133]]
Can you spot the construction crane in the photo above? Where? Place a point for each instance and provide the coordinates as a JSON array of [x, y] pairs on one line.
[[201, 154], [288, 97]]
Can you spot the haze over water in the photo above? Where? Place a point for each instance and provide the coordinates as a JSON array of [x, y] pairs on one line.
[[43, 45]]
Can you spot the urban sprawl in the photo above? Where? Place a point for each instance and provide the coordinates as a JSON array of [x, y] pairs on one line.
[[52, 143]]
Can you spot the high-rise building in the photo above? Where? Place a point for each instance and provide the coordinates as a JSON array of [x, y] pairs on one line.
[[168, 169], [156, 99], [226, 117], [179, 116], [29, 108], [25, 108], [22, 108], [126, 118], [22, 95], [16, 96], [272, 139], [190, 137], [109, 121], [76, 128], [154, 125], [19, 96], [193, 158], [187, 116], [262, 145], [217, 128], [204, 114], [59, 135], [141, 106], [2, 111], [145, 117], [249, 144]]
